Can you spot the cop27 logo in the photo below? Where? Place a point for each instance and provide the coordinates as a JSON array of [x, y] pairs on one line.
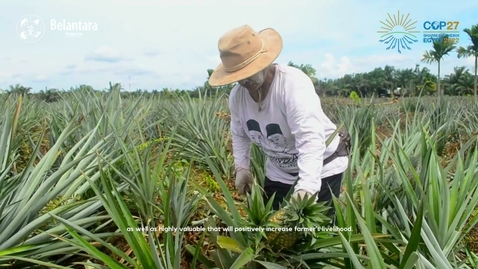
[[438, 25], [445, 31], [398, 32]]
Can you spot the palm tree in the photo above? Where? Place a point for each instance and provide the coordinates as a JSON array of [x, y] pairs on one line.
[[116, 87], [405, 79], [390, 78], [471, 50], [49, 95], [441, 48], [19, 89], [460, 82]]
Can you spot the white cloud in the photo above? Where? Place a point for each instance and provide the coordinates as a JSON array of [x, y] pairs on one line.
[[335, 68]]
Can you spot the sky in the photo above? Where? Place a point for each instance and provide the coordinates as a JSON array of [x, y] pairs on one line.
[[155, 44]]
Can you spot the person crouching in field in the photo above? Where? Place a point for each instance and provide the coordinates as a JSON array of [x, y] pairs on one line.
[[276, 107]]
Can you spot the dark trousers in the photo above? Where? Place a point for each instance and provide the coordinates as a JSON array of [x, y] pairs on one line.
[[333, 183]]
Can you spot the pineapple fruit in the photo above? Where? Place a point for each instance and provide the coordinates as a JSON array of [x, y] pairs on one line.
[[299, 217]]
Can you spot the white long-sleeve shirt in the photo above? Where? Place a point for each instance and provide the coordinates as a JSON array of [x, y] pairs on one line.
[[291, 128]]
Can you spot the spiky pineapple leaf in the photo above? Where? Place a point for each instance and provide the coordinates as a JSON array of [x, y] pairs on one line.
[[246, 257], [305, 212], [412, 245], [257, 212], [270, 265], [229, 243]]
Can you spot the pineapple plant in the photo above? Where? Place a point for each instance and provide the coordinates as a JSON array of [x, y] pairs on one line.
[[299, 218], [471, 239]]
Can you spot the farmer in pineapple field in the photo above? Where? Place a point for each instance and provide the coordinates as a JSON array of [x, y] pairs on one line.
[[278, 105]]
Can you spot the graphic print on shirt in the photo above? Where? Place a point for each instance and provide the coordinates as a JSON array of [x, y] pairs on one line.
[[278, 153], [277, 138], [255, 132]]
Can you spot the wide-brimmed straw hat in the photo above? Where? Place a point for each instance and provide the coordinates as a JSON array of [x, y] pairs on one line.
[[244, 52]]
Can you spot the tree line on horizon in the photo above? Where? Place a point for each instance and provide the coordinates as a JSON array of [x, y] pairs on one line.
[[386, 81]]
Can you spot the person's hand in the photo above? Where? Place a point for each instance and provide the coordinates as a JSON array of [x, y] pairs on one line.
[[243, 181]]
